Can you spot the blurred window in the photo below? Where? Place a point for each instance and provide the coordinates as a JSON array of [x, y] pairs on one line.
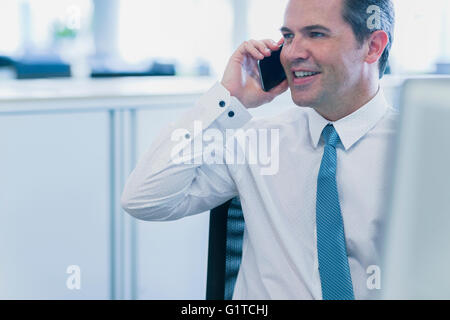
[[265, 18], [200, 34], [30, 26], [422, 35], [191, 32], [54, 20], [10, 27]]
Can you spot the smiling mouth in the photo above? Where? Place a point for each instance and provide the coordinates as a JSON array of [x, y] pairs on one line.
[[304, 74]]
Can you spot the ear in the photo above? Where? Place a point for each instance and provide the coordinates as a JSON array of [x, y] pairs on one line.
[[377, 41]]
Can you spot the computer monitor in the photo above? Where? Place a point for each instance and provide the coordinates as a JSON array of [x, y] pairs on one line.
[[416, 257]]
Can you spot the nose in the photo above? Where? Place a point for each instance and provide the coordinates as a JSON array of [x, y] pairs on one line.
[[295, 50]]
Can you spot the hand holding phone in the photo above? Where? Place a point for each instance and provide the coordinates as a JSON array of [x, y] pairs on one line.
[[242, 77]]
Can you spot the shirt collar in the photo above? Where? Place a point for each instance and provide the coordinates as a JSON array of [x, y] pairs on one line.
[[352, 127]]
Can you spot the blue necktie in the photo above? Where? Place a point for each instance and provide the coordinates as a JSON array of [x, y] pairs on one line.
[[334, 270]]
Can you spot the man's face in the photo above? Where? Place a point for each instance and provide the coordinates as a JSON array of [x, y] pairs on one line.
[[317, 39]]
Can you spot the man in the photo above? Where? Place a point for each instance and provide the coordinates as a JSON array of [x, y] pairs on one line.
[[313, 225]]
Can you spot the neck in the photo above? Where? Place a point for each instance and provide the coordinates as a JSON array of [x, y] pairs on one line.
[[348, 103]]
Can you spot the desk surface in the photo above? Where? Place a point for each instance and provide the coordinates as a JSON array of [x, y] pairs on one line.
[[51, 94], [14, 90]]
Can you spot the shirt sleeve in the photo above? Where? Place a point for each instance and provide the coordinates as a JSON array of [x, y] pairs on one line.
[[180, 175]]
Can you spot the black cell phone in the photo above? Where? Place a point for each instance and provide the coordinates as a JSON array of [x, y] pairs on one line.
[[271, 71]]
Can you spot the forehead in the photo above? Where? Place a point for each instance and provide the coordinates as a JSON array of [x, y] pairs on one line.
[[301, 13]]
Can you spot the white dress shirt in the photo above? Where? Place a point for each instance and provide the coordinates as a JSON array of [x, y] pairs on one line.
[[279, 258]]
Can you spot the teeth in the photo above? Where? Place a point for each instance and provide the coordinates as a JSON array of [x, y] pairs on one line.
[[301, 74]]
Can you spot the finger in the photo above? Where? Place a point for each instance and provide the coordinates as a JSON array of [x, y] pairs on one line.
[[254, 52], [272, 45], [254, 73], [280, 42], [261, 46], [255, 70]]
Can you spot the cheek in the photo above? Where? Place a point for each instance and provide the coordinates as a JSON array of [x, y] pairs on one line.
[[342, 64], [326, 57], [335, 54], [352, 57], [352, 66], [283, 60]]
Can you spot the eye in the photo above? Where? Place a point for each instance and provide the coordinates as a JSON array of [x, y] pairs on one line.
[[287, 35], [317, 35]]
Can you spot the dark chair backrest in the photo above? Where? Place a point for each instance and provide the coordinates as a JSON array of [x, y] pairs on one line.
[[226, 230]]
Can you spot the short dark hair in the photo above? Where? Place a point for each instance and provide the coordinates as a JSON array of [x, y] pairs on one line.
[[355, 13]]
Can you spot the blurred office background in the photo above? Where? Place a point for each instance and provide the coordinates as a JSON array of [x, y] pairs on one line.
[[194, 36], [85, 86]]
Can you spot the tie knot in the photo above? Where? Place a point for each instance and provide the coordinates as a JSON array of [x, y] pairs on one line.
[[330, 135]]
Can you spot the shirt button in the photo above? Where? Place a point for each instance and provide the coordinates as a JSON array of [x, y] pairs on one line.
[[187, 135], [231, 114], [222, 104]]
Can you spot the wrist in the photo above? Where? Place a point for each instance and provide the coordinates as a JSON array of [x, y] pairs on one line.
[[226, 87], [231, 92]]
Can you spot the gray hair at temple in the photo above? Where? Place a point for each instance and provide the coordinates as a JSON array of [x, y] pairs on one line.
[[355, 13]]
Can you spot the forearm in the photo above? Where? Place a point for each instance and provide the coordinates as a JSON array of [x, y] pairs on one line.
[[164, 186]]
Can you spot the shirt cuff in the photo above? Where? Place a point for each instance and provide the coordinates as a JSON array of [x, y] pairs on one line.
[[227, 111], [214, 109]]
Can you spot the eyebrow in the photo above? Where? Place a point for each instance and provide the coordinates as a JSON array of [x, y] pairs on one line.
[[307, 28]]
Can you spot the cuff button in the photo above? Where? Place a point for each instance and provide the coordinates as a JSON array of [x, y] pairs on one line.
[[187, 135], [231, 114], [222, 104]]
